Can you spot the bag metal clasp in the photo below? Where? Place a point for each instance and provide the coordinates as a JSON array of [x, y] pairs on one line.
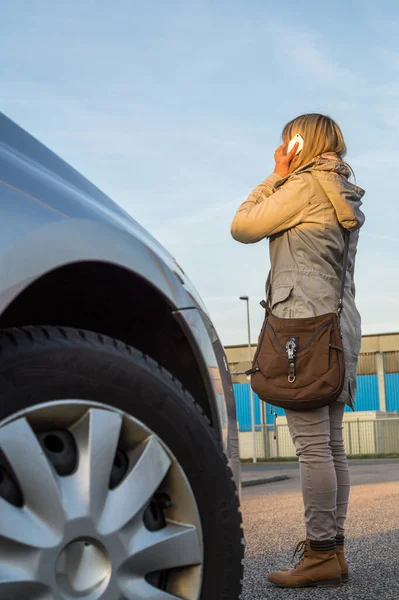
[[291, 349]]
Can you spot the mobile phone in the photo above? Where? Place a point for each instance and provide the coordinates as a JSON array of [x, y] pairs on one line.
[[297, 138]]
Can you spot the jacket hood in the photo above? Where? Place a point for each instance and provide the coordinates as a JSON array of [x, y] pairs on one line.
[[333, 176]]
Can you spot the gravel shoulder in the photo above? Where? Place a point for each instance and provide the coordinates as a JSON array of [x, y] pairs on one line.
[[273, 520]]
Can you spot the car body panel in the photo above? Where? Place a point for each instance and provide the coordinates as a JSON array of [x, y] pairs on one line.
[[52, 217]]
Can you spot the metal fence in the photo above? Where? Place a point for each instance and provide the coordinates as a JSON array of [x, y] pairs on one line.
[[362, 437]]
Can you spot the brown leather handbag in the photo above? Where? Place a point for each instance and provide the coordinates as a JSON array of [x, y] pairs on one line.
[[299, 363]]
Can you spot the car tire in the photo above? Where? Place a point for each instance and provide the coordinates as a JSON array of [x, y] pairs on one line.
[[40, 365]]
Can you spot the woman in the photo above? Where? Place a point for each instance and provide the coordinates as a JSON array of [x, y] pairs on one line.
[[303, 207]]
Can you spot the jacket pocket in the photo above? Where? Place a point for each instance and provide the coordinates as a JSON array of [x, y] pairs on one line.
[[280, 296]]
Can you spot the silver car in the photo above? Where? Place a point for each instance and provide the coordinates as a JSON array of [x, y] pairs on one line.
[[117, 410]]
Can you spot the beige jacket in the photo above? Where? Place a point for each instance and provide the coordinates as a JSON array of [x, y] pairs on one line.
[[303, 216]]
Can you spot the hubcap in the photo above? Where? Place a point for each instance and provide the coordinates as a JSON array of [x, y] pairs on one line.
[[83, 569], [94, 506]]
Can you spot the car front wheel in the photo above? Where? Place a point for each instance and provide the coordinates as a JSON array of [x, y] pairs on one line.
[[112, 483]]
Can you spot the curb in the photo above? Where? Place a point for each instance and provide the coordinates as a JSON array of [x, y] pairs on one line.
[[251, 482]]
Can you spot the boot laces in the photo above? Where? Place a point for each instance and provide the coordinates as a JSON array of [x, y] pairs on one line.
[[301, 547]]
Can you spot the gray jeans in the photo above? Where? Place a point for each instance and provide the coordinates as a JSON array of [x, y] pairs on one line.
[[318, 439]]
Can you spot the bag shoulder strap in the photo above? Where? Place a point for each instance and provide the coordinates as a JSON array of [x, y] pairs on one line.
[[344, 271], [345, 256]]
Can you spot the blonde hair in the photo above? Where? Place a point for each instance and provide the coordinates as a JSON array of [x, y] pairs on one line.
[[320, 133]]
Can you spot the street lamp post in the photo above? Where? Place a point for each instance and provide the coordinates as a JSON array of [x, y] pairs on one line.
[[251, 394]]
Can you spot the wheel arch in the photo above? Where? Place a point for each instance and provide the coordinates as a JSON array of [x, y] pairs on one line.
[[114, 301]]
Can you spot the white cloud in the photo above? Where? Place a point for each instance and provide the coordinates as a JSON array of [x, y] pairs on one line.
[[307, 50], [207, 227]]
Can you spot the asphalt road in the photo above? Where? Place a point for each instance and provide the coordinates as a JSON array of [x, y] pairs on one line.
[[273, 520]]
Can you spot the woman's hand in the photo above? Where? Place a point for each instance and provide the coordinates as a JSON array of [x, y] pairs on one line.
[[284, 160]]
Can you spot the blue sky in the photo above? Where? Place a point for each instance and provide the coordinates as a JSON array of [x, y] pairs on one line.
[[174, 109]]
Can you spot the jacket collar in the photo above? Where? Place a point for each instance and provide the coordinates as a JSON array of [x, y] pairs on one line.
[[328, 162]]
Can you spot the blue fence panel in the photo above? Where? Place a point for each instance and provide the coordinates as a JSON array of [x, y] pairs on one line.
[[367, 397], [392, 391], [243, 404]]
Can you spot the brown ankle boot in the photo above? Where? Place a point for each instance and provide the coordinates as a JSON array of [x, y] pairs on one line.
[[318, 566], [341, 558]]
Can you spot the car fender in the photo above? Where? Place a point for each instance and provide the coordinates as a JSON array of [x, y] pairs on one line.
[[60, 243], [64, 242]]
